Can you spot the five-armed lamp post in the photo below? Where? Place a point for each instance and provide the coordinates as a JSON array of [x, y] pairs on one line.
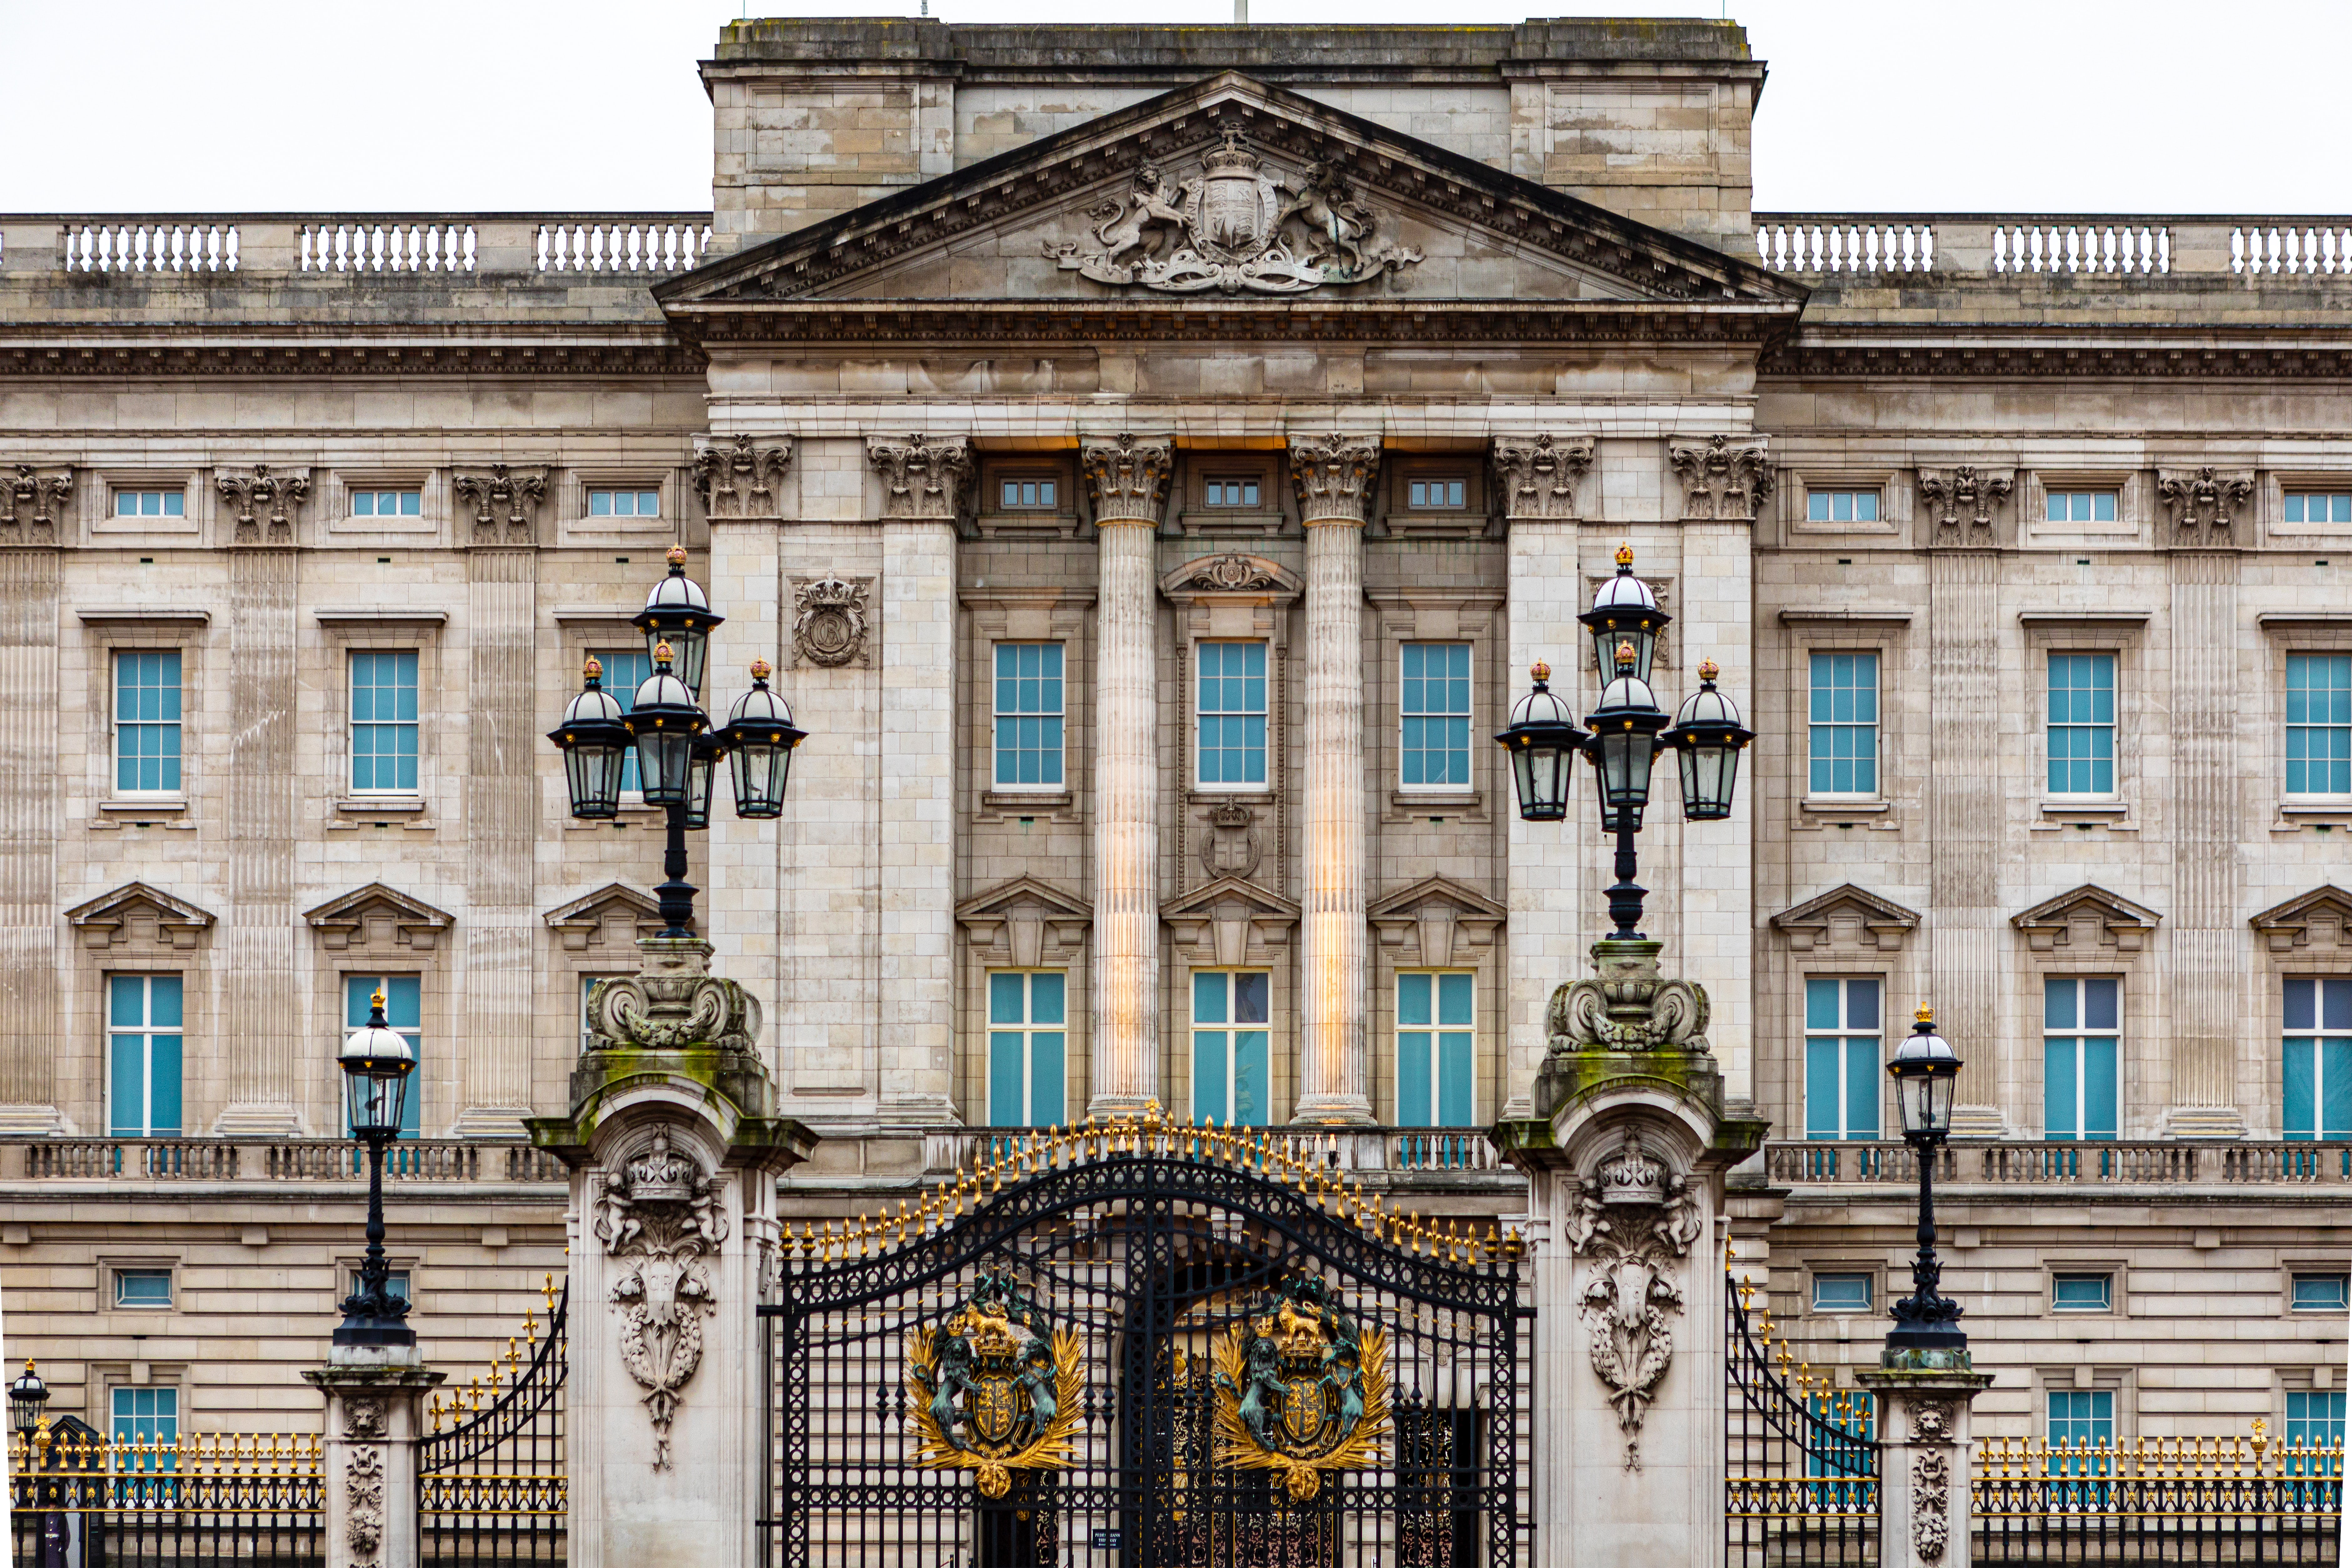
[[1923, 1069], [677, 750], [1627, 731]]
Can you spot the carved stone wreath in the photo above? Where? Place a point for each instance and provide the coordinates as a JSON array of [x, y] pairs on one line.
[[829, 621], [1633, 1222]]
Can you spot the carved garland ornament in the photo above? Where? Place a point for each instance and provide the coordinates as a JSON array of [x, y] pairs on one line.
[[1300, 1389], [1931, 1504], [1235, 226], [991, 1390], [829, 621], [363, 1492], [1635, 1220], [660, 1216]]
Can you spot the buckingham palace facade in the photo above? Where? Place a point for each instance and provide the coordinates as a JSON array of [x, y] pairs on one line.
[[1152, 459]]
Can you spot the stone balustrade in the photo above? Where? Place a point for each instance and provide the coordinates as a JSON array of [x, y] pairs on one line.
[[556, 245], [2225, 1162], [1397, 1151], [470, 1162], [1958, 244]]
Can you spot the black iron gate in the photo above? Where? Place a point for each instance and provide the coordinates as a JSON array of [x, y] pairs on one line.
[[1146, 1345], [1801, 1458], [493, 1487]]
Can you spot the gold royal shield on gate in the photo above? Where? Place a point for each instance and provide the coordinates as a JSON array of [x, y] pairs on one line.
[[993, 1391], [1300, 1390]]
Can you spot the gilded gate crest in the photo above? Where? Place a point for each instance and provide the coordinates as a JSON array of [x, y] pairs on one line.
[[992, 1390], [1300, 1389]]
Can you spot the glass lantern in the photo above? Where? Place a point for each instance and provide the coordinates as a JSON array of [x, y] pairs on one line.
[[1625, 743], [759, 737], [1542, 743], [678, 612], [666, 722], [1706, 740], [1624, 611], [1926, 1073], [596, 745], [376, 1062]]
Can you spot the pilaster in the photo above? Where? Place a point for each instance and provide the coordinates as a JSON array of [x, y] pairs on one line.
[[1963, 813], [373, 1430], [498, 935], [2206, 970], [30, 576], [1925, 1464]]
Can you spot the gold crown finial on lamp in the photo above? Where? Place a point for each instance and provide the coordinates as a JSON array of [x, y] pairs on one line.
[[1626, 654], [1539, 670], [761, 669], [593, 669], [677, 557], [662, 653], [1925, 1015], [1708, 669], [1625, 555]]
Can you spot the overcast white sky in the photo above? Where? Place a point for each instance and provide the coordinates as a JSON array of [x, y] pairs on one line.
[[2048, 106]]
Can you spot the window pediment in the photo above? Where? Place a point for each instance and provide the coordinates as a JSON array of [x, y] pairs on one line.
[[2320, 919], [136, 913], [378, 916], [1026, 922], [1435, 920], [614, 914], [1232, 575], [1229, 922], [2087, 918], [1846, 918]]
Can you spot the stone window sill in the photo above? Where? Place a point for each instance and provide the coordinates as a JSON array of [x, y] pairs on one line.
[[168, 806], [2091, 810], [1846, 808], [1021, 803], [389, 805], [1411, 803]]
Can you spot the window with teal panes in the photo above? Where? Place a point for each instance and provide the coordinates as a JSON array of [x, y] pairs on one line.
[[1027, 1023], [2081, 724], [2320, 1294], [1841, 1445], [627, 669], [1437, 1025], [2315, 1418], [403, 1010], [1842, 733], [147, 723], [1229, 1018], [144, 1056], [2315, 1069], [1029, 714], [148, 1415], [2082, 1416], [2318, 506], [2082, 1022], [1434, 714], [1230, 714], [1841, 1058], [384, 724], [2319, 724]]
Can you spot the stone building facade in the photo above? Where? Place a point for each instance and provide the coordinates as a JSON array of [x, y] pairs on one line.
[[1152, 459]]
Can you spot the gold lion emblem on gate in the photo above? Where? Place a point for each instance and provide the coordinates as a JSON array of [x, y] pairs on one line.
[[993, 1390], [1300, 1390]]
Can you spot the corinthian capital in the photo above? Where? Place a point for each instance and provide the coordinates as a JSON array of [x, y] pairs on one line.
[[505, 501], [1333, 474], [32, 502], [924, 479], [1128, 476], [1537, 476], [737, 475], [1724, 479], [266, 505], [2208, 498]]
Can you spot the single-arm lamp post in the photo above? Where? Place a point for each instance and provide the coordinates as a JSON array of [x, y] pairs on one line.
[[1923, 1069], [26, 1396], [376, 1062]]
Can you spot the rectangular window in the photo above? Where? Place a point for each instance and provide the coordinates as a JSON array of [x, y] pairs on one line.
[[403, 1009], [1231, 492], [137, 1288], [2318, 506], [1435, 495], [147, 723], [2082, 1418], [395, 1282], [1229, 1047], [2081, 1027], [1029, 715], [384, 724], [2316, 1074], [1842, 1292], [146, 1416], [625, 669], [1028, 1015], [1840, 1445], [2081, 506], [2081, 724], [1436, 1023], [2082, 1292], [1026, 494], [1845, 725], [143, 1056], [2319, 724], [1841, 1065], [1842, 505], [150, 504], [1433, 709], [1232, 713], [625, 503], [2321, 1293], [2314, 1419], [387, 503]]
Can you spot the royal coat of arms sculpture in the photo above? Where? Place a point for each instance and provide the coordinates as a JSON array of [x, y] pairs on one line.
[[1300, 1389], [993, 1390]]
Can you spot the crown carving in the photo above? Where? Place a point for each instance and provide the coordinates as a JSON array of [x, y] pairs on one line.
[[1233, 157], [1633, 1176], [660, 1174]]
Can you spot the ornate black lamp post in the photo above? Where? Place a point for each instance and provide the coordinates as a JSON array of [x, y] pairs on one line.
[[376, 1062], [677, 751], [25, 1398], [1923, 1069], [1627, 730]]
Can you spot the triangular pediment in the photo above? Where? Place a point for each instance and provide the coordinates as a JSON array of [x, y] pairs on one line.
[[1229, 193], [137, 912], [380, 916], [1847, 916], [1024, 895], [1436, 922], [614, 913], [1435, 890], [1230, 897], [2321, 918], [2089, 915]]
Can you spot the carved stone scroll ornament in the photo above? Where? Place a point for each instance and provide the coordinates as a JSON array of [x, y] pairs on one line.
[[737, 476], [1633, 1222], [1963, 498], [34, 499], [364, 1498], [1232, 574], [924, 479], [1626, 1006], [1332, 475], [505, 500], [1128, 478], [1236, 225], [829, 621], [1723, 479], [659, 1217], [1537, 476], [2207, 499], [672, 1009], [1931, 1504], [266, 505]]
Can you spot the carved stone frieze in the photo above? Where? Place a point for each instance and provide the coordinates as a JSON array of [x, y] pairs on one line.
[[1724, 478], [1536, 477], [1962, 500], [1333, 475], [1232, 573], [659, 1217], [1128, 476], [924, 479], [830, 621], [1633, 1223], [737, 475], [35, 498], [2206, 501], [265, 505], [505, 501], [1236, 225]]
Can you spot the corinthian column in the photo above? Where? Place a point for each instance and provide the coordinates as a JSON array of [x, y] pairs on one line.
[[1129, 479], [1333, 474]]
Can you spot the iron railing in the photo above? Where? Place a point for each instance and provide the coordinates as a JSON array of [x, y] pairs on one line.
[[1801, 1458], [87, 1502], [492, 1482], [2181, 1500]]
